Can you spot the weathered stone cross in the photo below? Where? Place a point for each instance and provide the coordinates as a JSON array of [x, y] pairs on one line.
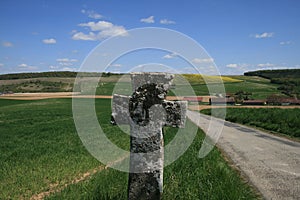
[[147, 111]]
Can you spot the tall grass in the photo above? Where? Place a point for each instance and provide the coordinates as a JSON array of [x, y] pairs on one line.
[[39, 148], [285, 121], [187, 178]]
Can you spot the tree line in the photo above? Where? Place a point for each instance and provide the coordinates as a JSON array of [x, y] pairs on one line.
[[63, 74], [289, 80]]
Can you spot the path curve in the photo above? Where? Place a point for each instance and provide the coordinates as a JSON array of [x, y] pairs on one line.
[[271, 163]]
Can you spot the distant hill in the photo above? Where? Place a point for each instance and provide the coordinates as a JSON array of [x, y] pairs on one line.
[[61, 81], [57, 74], [289, 79], [271, 74]]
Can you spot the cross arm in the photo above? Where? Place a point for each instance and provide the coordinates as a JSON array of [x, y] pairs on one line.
[[175, 111], [120, 111]]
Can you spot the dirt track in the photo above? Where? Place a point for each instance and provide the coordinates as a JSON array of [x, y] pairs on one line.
[[54, 95], [271, 163]]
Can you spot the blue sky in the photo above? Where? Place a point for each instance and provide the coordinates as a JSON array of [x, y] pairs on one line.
[[241, 35]]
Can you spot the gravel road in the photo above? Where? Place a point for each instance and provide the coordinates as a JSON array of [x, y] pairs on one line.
[[271, 163]]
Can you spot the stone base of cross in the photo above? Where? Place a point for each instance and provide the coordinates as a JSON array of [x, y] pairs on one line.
[[147, 111]]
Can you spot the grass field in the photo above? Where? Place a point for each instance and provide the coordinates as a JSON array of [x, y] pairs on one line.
[[202, 79], [37, 85], [259, 87], [40, 149], [284, 121]]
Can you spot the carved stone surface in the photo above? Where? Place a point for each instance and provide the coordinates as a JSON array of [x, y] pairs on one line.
[[143, 78], [120, 114], [147, 111]]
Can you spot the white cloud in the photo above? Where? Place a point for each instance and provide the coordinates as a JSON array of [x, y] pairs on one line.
[[105, 29], [26, 67], [265, 65], [73, 31], [65, 64], [99, 26], [82, 36], [149, 20], [62, 68], [116, 65], [7, 44], [232, 65], [91, 14], [113, 31], [23, 65], [166, 21], [202, 60], [264, 35], [66, 60], [238, 65], [285, 42], [52, 67], [170, 56], [1, 64], [49, 41], [69, 69]]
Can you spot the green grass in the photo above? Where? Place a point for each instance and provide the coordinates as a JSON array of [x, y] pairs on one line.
[[188, 178], [37, 86], [284, 121], [39, 147], [108, 88], [8, 102], [260, 88]]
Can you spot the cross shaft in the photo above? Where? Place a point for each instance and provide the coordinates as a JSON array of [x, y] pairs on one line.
[[147, 111]]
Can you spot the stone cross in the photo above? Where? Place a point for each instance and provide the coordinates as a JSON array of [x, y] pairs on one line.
[[147, 111]]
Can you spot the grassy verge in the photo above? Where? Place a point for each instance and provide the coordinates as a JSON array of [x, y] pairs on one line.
[[284, 121], [39, 148]]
